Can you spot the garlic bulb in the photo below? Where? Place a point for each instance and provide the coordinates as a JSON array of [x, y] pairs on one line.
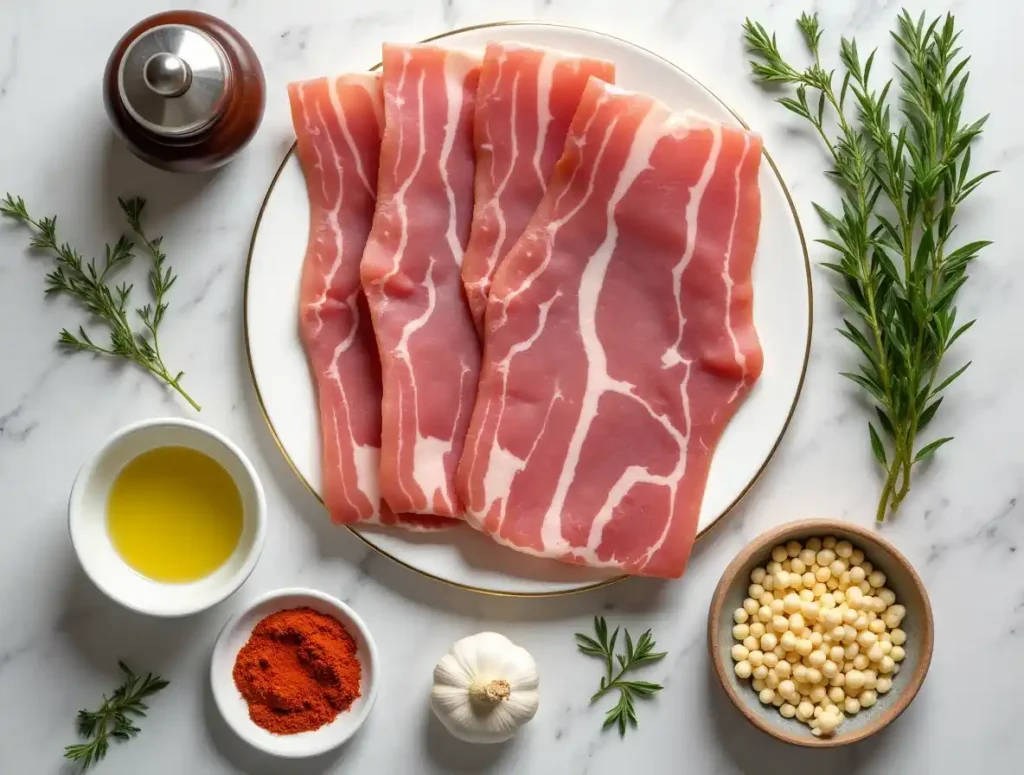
[[485, 688]]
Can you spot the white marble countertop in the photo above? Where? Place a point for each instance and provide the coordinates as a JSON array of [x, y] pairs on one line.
[[60, 638]]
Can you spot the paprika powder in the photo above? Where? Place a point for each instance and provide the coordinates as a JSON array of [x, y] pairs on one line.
[[298, 671]]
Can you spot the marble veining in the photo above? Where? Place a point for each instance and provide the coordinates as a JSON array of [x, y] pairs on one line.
[[10, 69], [60, 639]]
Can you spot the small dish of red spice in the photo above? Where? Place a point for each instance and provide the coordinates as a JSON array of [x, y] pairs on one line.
[[298, 671], [294, 674]]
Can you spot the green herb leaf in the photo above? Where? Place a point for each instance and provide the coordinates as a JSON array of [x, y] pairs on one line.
[[114, 718], [88, 284], [929, 449], [928, 414], [589, 644], [902, 168], [876, 444], [949, 380], [641, 687], [623, 714]]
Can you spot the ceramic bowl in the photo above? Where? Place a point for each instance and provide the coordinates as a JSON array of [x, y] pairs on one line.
[[901, 578], [87, 520], [232, 705]]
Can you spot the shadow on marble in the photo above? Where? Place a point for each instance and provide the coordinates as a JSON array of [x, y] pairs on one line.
[[247, 759], [122, 174], [449, 754], [176, 201], [751, 750], [100, 631]]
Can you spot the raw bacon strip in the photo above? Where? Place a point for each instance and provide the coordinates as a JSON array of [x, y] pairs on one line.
[[338, 125], [525, 103], [430, 352], [620, 340]]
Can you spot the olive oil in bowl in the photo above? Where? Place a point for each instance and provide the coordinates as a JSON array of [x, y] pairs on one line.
[[174, 514]]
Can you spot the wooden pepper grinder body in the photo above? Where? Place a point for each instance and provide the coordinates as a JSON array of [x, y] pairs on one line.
[[185, 90]]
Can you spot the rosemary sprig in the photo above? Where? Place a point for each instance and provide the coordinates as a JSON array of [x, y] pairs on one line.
[[115, 718], [87, 283], [902, 175], [637, 654]]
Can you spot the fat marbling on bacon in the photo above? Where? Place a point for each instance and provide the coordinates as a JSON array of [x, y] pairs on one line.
[[620, 340], [525, 102], [430, 352], [338, 125]]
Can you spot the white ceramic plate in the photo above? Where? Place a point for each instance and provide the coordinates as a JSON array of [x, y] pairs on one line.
[[782, 315], [232, 705]]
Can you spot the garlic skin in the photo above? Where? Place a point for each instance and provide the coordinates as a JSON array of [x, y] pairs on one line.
[[485, 688]]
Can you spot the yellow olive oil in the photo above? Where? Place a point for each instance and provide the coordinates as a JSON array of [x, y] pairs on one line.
[[174, 514]]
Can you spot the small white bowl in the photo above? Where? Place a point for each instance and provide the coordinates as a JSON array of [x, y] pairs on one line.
[[232, 705], [87, 520]]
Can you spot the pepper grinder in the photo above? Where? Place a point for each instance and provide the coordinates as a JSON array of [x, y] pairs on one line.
[[185, 90]]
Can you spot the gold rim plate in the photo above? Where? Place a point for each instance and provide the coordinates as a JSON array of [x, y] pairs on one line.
[[701, 533]]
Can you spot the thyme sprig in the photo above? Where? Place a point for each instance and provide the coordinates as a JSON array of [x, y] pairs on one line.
[[115, 718], [88, 283]]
